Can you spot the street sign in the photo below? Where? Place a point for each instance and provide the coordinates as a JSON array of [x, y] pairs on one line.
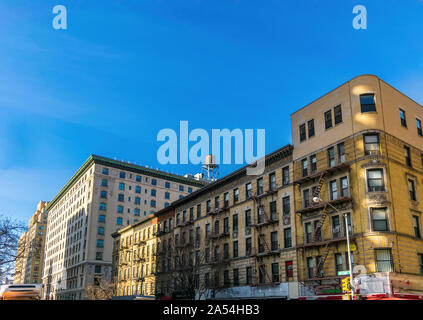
[[344, 273], [346, 285], [353, 247]]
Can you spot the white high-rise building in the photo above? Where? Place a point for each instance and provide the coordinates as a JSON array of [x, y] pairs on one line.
[[102, 197]]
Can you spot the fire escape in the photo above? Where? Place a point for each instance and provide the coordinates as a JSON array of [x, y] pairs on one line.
[[264, 249], [317, 237]]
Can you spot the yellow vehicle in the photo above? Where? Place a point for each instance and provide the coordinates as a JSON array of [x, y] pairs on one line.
[[21, 292]]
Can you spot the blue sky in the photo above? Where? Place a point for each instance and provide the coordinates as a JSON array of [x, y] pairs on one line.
[[125, 69]]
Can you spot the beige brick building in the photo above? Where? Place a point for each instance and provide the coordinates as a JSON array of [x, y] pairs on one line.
[[30, 253], [232, 238], [102, 197], [362, 145]]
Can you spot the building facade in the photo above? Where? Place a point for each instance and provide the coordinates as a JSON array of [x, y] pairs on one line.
[[358, 153], [232, 238], [29, 262], [20, 264], [102, 197]]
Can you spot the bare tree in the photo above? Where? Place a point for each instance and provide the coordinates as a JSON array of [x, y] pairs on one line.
[[101, 290], [189, 264], [10, 231]]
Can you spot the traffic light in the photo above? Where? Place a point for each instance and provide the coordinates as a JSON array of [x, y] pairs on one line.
[[346, 284]]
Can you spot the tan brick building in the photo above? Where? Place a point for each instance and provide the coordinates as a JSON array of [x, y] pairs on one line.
[[233, 237], [103, 196], [362, 145], [30, 253]]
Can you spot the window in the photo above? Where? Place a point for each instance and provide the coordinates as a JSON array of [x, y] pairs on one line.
[[100, 230], [416, 226], [273, 211], [167, 185], [420, 256], [338, 262], [208, 206], [310, 267], [262, 273], [287, 238], [137, 211], [97, 269], [138, 178], [103, 194], [313, 164], [375, 180], [121, 186], [122, 175], [285, 176], [367, 102], [167, 195], [119, 221], [248, 246], [341, 152], [101, 218], [235, 223], [226, 281], [308, 232], [304, 165], [302, 132], [103, 206], [121, 197], [137, 189], [99, 243], [419, 127], [99, 255], [260, 186], [286, 206], [236, 195], [198, 210], [226, 225], [336, 227], [249, 276], [189, 190], [248, 217], [331, 157], [289, 269], [310, 125], [306, 198], [106, 171], [248, 190], [333, 190], [272, 181], [137, 200], [345, 191], [275, 272], [274, 246], [153, 182], [153, 203], [328, 119], [235, 249], [412, 190], [379, 218], [337, 113], [371, 144], [384, 261], [226, 200], [216, 202], [403, 119], [119, 209], [104, 182], [236, 277], [181, 188], [407, 156]]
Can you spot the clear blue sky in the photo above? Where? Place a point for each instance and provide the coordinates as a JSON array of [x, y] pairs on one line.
[[125, 69]]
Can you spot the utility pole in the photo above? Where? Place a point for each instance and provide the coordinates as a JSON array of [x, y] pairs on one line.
[[349, 255]]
